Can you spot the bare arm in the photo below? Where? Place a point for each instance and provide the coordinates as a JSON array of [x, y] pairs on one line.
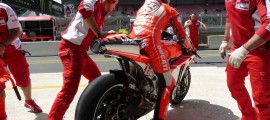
[[86, 8], [227, 32], [205, 27], [224, 45], [13, 34], [254, 42], [92, 24]]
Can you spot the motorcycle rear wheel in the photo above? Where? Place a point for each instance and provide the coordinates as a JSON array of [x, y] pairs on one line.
[[103, 99], [181, 88]]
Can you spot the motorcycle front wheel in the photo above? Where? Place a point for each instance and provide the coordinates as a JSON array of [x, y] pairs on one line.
[[103, 99], [181, 88]]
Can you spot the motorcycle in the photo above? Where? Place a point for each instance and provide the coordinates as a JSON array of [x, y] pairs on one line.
[[131, 92]]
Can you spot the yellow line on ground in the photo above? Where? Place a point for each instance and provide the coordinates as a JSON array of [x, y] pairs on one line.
[[45, 87], [58, 61], [209, 55]]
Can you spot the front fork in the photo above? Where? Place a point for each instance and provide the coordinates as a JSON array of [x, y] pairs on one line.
[[183, 70]]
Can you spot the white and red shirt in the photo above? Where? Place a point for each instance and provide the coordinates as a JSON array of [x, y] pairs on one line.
[[8, 20], [248, 17], [78, 32], [193, 29]]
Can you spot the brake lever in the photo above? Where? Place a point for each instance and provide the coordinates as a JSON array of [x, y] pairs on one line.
[[196, 54]]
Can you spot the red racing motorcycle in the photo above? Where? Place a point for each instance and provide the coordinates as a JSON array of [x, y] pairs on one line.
[[131, 92]]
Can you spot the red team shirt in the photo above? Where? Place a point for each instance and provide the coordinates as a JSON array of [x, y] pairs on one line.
[[78, 32], [193, 32], [8, 20], [239, 14]]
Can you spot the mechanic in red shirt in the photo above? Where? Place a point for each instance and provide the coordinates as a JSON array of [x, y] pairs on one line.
[[192, 26], [83, 29], [11, 53], [151, 19], [250, 30]]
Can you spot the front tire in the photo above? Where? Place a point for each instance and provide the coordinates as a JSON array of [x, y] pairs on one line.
[[181, 88], [103, 99]]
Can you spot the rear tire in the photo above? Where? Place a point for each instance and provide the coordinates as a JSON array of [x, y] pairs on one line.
[[103, 99], [181, 88]]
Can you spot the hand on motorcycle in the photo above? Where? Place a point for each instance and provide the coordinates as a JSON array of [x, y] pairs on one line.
[[237, 57], [222, 49]]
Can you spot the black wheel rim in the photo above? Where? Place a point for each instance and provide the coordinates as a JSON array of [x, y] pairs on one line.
[[112, 105], [184, 86]]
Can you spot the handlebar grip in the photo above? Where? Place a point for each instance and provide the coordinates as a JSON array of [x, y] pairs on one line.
[[17, 93]]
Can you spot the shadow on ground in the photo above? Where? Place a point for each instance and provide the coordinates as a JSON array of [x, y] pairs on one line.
[[200, 110], [41, 116]]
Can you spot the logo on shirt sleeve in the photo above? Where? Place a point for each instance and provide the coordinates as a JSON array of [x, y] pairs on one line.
[[242, 4]]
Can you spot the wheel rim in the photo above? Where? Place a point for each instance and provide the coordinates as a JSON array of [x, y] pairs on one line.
[[112, 104], [182, 87]]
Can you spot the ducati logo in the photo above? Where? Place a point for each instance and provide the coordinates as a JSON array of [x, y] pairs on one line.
[[163, 58]]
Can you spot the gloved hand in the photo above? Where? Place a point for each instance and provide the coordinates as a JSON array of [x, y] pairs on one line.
[[222, 49], [237, 57]]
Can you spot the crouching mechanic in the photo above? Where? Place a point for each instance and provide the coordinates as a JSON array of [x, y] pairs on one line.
[[85, 27], [11, 53], [151, 19], [249, 55]]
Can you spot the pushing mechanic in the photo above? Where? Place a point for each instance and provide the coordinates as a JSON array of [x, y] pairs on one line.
[[83, 29]]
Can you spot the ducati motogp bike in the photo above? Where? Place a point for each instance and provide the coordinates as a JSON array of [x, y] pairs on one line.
[[131, 92]]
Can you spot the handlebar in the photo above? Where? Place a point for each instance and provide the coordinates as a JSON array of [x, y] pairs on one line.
[[196, 54], [24, 52]]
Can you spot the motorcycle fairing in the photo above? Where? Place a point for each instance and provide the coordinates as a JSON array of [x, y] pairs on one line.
[[135, 57]]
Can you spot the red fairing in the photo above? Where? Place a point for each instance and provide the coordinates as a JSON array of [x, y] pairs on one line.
[[171, 49], [185, 58], [136, 57], [114, 37]]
